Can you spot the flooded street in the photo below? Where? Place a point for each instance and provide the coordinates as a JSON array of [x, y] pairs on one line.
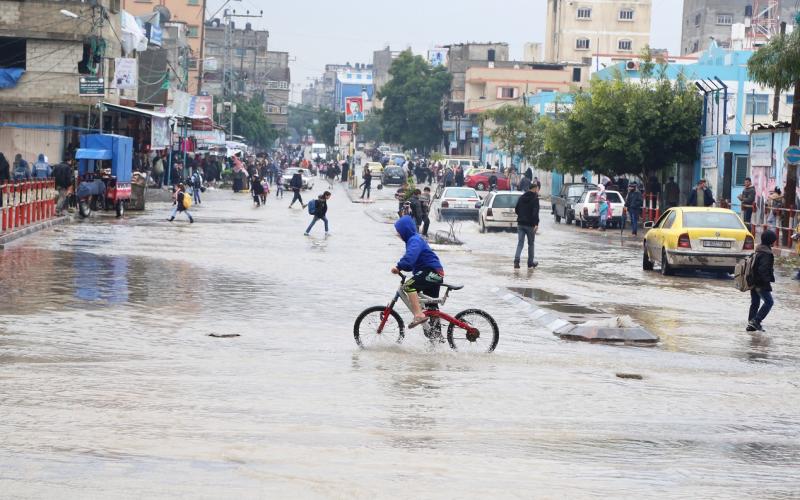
[[112, 387]]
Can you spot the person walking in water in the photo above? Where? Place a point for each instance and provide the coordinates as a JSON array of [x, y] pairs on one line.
[[527, 210], [256, 190], [319, 209], [763, 269], [296, 183], [182, 203]]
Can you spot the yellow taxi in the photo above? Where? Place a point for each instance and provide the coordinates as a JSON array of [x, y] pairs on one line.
[[375, 167], [712, 239]]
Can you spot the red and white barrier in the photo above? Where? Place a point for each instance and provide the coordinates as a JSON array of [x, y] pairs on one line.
[[26, 203]]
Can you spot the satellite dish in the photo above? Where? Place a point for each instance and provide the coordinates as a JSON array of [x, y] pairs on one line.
[[163, 13]]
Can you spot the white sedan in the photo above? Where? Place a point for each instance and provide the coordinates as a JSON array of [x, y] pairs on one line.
[[498, 210], [457, 202], [308, 179]]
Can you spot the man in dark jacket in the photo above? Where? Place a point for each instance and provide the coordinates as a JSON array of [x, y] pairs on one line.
[[763, 276], [459, 176], [634, 203], [296, 183], [527, 210], [705, 199], [748, 199], [320, 212]]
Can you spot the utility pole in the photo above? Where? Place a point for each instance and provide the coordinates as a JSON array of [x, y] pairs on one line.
[[227, 73], [776, 101], [202, 50]]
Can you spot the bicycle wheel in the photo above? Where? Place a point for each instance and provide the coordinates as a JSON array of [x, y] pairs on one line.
[[365, 330], [487, 336]]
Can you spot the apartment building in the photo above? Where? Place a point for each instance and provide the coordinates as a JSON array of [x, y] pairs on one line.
[[189, 12], [583, 30], [707, 20]]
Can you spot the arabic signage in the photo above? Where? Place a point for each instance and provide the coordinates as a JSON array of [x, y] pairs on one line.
[[91, 86], [761, 150], [193, 106], [708, 153]]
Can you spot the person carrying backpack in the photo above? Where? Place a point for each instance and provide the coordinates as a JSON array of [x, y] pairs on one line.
[[182, 203], [762, 275], [319, 209], [41, 169]]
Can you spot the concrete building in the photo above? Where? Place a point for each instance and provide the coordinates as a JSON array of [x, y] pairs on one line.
[[581, 30], [242, 52], [276, 84], [381, 63], [189, 12], [704, 20], [45, 55], [460, 58], [353, 82], [491, 88]]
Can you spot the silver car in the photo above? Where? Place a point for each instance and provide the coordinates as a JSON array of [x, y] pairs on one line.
[[498, 210]]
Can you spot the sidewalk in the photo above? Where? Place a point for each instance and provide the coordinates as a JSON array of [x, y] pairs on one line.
[[8, 237]]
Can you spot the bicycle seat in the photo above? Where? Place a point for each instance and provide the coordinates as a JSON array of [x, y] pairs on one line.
[[452, 287]]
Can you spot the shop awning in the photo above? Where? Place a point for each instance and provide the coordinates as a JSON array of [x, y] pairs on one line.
[[93, 154], [137, 111]]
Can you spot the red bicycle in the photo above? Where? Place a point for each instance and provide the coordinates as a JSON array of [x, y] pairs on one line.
[[471, 330]]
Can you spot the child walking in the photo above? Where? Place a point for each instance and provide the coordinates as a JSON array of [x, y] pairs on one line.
[[182, 202]]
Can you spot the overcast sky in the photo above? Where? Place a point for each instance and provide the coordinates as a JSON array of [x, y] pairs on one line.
[[319, 32]]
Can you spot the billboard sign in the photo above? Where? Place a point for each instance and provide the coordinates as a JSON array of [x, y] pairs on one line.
[[89, 86], [437, 57], [125, 72], [354, 109]]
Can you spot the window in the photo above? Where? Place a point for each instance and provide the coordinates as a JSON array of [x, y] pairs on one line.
[[670, 219], [698, 19], [192, 31], [576, 74], [790, 100], [14, 52], [626, 15], [507, 92], [625, 45], [724, 19], [584, 13], [740, 163], [582, 44], [757, 104]]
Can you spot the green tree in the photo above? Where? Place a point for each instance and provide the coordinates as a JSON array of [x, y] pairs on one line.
[[372, 128], [624, 127], [777, 65], [517, 131], [251, 122], [324, 126], [412, 102]]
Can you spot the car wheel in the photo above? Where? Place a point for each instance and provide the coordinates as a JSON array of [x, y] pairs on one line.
[[647, 264], [666, 270], [480, 187], [481, 226]]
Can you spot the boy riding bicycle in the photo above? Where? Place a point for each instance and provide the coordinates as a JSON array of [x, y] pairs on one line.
[[428, 272]]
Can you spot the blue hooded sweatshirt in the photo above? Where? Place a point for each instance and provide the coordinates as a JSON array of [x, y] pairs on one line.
[[419, 256]]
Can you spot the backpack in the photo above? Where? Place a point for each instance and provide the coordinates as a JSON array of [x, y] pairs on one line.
[[312, 207], [187, 201], [743, 273]]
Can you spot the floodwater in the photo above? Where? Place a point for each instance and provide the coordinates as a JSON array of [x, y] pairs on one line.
[[111, 387]]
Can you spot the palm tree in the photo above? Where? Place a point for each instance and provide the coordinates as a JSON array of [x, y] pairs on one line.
[[777, 65]]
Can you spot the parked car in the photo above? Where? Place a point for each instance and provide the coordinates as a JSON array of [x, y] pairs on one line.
[[497, 210], [696, 238], [308, 179], [393, 175], [475, 170], [563, 204], [453, 202], [480, 181], [465, 163], [587, 210]]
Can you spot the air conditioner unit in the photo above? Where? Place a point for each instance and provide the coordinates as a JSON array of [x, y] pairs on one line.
[[632, 66]]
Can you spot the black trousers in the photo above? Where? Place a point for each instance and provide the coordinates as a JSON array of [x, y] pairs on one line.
[[297, 197]]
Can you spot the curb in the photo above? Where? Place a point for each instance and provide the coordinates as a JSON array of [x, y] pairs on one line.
[[33, 228], [544, 317]]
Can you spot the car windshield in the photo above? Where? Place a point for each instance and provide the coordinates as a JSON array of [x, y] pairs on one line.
[[505, 200], [611, 197], [460, 193], [394, 171], [712, 220], [575, 191]]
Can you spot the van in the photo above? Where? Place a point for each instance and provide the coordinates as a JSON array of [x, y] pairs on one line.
[[319, 150], [464, 163]]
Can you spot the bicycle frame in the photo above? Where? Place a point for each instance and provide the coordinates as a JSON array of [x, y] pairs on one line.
[[425, 300]]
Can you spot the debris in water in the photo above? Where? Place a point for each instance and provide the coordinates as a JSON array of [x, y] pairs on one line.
[[634, 376], [223, 335]]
